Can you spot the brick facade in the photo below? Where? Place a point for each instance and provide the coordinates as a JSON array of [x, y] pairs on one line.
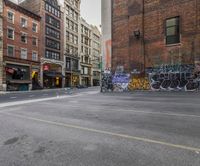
[[148, 17], [1, 45], [29, 63]]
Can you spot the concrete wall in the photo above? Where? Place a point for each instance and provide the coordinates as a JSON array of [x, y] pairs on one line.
[[106, 33]]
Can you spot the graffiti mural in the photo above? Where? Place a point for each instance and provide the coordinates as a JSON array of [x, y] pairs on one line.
[[139, 84], [120, 82], [162, 78], [106, 82], [174, 78]]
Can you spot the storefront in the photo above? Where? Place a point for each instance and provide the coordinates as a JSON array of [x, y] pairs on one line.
[[18, 77], [35, 75], [52, 76]]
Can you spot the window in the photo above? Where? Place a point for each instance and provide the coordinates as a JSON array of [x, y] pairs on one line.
[[52, 21], [10, 34], [52, 44], [23, 22], [52, 55], [52, 32], [23, 53], [11, 51], [34, 56], [173, 30], [24, 37], [34, 41], [34, 28], [10, 17]]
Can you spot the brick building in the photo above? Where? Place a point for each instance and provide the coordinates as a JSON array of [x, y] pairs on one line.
[[1, 45], [21, 51], [52, 37], [149, 33]]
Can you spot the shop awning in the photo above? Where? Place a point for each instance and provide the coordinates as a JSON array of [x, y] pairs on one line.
[[54, 75]]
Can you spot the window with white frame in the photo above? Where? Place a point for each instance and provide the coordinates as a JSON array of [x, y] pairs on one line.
[[34, 56], [10, 33], [35, 27], [34, 41], [23, 37], [10, 50], [24, 22], [23, 53], [10, 17]]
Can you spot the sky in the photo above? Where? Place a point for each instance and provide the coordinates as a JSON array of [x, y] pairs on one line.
[[91, 11]]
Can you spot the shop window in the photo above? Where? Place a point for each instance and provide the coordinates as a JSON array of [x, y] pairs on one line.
[[172, 30]]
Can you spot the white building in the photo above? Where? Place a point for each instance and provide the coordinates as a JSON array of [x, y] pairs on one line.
[[96, 56]]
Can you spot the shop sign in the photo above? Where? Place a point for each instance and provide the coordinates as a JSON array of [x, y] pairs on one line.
[[9, 70], [46, 67]]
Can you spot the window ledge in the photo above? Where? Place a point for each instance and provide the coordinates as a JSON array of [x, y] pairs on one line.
[[173, 45]]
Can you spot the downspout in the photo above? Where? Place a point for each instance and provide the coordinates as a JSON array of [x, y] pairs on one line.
[[143, 40]]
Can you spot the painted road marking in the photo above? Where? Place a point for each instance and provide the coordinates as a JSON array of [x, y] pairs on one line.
[[31, 95], [141, 139], [13, 97], [45, 94], [16, 103]]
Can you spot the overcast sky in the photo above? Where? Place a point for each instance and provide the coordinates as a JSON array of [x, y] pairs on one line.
[[91, 11]]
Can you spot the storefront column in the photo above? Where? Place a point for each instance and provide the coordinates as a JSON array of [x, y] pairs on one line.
[[63, 79], [41, 75]]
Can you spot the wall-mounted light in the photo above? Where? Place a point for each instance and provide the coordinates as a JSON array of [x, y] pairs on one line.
[[137, 34]]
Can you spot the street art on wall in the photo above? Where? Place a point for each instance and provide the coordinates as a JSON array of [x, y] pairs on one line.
[[139, 84], [162, 78], [174, 78], [120, 82]]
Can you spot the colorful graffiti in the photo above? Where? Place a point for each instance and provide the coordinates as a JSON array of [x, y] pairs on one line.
[[174, 78], [120, 82], [162, 78], [139, 84]]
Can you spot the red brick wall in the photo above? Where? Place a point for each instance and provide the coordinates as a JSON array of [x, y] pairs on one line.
[[17, 38], [128, 17]]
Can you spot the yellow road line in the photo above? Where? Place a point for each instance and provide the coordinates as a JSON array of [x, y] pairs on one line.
[[177, 146]]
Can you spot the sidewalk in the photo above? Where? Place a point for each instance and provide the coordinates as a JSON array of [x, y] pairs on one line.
[[43, 90]]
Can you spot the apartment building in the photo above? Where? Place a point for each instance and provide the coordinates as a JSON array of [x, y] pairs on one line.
[[71, 42], [21, 48], [96, 56], [86, 53], [52, 38]]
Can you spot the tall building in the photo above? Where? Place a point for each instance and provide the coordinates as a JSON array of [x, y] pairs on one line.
[[71, 42], [154, 33], [52, 37], [96, 56], [86, 53], [21, 48], [106, 33], [1, 45]]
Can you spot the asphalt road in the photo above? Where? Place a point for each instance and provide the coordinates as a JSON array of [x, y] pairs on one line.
[[87, 128]]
